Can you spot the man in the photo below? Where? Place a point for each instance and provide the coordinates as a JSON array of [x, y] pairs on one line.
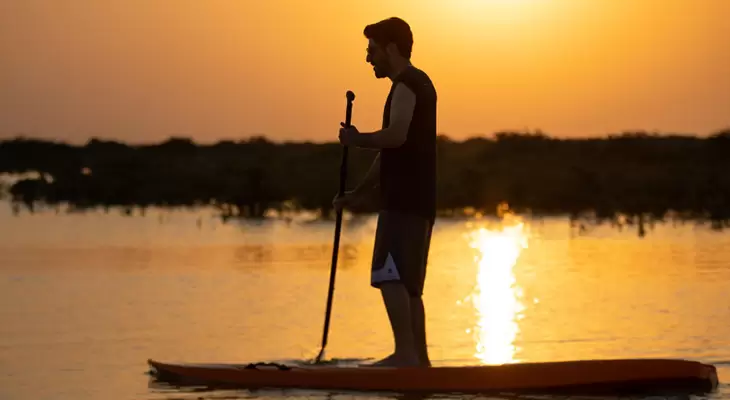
[[405, 173]]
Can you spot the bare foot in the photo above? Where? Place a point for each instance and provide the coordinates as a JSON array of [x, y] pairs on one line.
[[396, 360]]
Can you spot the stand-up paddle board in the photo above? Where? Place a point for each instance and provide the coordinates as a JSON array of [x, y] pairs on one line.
[[623, 376]]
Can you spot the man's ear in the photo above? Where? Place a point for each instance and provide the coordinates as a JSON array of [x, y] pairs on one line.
[[392, 50]]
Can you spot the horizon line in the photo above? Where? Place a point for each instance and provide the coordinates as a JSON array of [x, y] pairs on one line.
[[253, 137]]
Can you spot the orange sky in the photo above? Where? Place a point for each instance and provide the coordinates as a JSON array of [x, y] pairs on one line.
[[141, 70]]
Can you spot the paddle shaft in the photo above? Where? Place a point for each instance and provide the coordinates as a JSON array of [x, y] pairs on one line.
[[338, 229]]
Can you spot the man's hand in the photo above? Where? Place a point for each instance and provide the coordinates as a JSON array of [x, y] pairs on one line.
[[349, 199], [348, 135], [395, 135]]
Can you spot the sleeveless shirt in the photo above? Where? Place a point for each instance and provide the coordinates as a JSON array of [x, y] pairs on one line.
[[408, 172]]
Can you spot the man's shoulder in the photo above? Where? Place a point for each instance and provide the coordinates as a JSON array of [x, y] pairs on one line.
[[417, 80], [415, 73]]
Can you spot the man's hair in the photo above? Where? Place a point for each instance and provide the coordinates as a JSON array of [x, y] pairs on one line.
[[392, 30]]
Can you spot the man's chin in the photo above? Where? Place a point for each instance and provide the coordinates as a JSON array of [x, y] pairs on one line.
[[379, 73]]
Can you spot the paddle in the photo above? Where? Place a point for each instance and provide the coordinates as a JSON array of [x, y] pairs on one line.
[[338, 228]]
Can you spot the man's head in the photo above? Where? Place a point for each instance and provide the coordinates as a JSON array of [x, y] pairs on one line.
[[389, 44]]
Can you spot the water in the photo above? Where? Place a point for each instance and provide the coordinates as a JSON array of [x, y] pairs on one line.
[[86, 299]]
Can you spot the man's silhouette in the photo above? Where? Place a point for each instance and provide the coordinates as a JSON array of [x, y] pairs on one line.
[[405, 174]]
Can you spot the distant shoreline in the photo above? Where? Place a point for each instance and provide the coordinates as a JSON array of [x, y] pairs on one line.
[[634, 176], [5, 137]]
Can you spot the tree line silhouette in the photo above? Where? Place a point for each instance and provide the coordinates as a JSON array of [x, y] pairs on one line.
[[635, 174]]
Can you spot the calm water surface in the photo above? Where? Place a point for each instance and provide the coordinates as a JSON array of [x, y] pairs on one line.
[[85, 299]]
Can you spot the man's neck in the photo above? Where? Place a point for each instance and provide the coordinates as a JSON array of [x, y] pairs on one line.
[[399, 66]]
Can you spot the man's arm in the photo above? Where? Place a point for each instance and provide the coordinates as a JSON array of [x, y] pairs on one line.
[[365, 191], [371, 180], [401, 112]]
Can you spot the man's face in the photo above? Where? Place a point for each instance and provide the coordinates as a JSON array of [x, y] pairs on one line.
[[378, 58]]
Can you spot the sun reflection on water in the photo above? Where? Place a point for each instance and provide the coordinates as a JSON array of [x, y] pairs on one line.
[[497, 296]]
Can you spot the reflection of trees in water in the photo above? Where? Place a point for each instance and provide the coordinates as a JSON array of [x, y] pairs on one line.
[[254, 254], [295, 254], [629, 180]]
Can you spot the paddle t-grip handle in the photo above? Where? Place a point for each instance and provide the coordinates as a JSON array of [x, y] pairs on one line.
[[338, 228]]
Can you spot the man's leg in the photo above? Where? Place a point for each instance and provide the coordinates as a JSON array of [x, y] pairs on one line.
[[401, 246], [398, 307], [418, 323], [418, 312], [390, 272]]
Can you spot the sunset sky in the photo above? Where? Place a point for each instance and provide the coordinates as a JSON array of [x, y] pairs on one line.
[[145, 70]]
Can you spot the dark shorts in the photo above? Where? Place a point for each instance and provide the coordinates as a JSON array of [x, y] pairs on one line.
[[401, 248]]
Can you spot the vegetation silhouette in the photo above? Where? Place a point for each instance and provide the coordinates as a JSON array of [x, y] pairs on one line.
[[633, 177]]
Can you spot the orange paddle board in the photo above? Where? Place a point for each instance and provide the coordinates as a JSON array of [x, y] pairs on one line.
[[621, 376]]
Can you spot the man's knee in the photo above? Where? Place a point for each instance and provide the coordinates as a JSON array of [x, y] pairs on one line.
[[393, 287], [412, 291]]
